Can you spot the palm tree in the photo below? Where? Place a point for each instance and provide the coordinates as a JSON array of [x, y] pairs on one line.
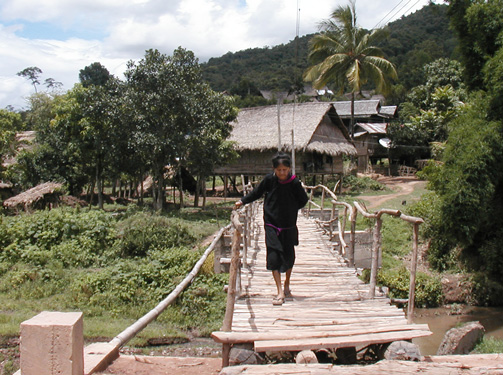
[[344, 54]]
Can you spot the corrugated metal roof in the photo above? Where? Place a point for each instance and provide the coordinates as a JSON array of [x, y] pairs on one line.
[[388, 111], [372, 128], [363, 108]]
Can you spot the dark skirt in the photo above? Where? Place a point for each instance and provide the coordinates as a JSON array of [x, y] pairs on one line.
[[281, 248]]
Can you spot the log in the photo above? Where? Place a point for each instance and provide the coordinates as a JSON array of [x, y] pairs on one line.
[[337, 342]]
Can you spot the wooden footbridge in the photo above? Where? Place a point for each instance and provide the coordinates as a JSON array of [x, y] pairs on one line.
[[330, 307]]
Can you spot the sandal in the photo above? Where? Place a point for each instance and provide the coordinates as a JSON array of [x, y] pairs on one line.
[[278, 301]]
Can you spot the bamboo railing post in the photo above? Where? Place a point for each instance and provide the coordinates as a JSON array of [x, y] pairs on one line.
[[376, 245], [310, 201], [231, 291], [413, 268], [322, 203], [352, 239], [332, 217], [376, 242]]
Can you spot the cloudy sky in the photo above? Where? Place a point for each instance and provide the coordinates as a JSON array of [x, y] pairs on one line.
[[63, 36]]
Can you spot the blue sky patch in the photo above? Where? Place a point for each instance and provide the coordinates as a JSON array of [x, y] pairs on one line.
[[45, 30]]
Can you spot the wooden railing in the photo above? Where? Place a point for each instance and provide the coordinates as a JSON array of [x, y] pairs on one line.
[[351, 212], [244, 228]]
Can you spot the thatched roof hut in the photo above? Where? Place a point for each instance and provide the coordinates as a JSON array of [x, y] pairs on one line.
[[41, 196], [319, 138]]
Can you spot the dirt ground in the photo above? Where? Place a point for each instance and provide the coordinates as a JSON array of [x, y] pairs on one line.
[[148, 365], [200, 365], [401, 186]]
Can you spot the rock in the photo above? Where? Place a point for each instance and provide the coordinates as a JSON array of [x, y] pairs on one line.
[[306, 356], [461, 340], [456, 288], [243, 354], [402, 351]]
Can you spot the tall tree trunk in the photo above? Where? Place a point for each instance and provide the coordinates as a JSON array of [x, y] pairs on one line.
[[92, 193], [157, 189], [181, 186], [114, 187], [99, 185], [196, 194], [204, 196]]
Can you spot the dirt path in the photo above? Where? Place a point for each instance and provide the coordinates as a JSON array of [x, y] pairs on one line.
[[401, 186], [149, 365]]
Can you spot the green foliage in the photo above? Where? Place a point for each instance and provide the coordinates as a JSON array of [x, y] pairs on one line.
[[486, 291], [108, 265], [10, 123], [478, 26], [347, 57], [469, 179], [489, 345], [413, 41], [145, 232], [428, 109], [94, 74], [428, 288], [74, 238], [359, 184]]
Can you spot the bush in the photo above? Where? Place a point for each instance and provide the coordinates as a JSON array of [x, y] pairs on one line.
[[77, 238], [428, 289], [486, 292], [357, 185], [144, 232]]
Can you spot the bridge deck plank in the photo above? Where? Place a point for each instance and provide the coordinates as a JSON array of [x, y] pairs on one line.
[[330, 307]]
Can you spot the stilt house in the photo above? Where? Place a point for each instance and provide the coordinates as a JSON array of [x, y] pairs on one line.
[[313, 130]]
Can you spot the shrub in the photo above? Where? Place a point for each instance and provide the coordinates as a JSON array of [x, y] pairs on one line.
[[359, 184], [144, 232], [428, 289]]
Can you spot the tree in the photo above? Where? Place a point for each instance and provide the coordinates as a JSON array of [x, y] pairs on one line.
[[164, 99], [10, 123], [206, 147], [94, 74], [32, 73], [102, 132], [478, 25], [345, 55], [51, 83]]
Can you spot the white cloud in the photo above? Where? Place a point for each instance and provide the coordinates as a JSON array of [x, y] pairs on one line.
[[209, 28]]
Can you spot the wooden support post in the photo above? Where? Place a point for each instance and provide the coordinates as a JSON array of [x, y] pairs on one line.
[[322, 203], [352, 239], [231, 291], [376, 245], [413, 268]]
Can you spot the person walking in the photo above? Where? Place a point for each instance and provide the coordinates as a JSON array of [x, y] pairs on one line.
[[284, 196]]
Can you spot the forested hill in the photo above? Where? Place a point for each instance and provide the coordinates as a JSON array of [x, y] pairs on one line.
[[414, 41]]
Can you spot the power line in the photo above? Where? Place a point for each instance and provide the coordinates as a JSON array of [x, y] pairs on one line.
[[381, 22], [375, 27]]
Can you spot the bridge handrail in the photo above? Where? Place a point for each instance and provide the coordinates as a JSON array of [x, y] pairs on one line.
[[130, 332], [352, 212], [345, 249], [376, 244]]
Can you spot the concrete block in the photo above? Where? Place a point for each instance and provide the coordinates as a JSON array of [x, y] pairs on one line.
[[53, 343]]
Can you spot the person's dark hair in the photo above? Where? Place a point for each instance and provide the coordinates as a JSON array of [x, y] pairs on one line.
[[281, 158]]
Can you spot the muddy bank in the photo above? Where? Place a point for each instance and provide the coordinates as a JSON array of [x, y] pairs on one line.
[[441, 319]]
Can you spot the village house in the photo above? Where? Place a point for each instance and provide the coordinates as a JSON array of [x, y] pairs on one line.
[[313, 130]]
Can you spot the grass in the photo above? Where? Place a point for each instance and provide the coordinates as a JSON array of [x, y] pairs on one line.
[[32, 284], [489, 345]]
